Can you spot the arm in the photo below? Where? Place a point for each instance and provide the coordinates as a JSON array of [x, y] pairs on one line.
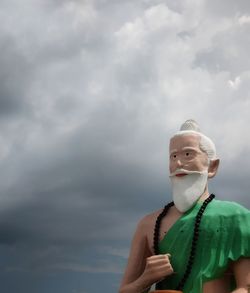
[[241, 269], [143, 269]]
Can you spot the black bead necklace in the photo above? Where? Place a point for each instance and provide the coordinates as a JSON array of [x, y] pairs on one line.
[[194, 241]]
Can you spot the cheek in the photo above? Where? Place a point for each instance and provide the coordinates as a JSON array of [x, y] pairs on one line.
[[205, 162], [201, 165], [170, 167], [195, 165]]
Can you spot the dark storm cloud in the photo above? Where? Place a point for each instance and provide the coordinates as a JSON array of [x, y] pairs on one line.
[[64, 185]]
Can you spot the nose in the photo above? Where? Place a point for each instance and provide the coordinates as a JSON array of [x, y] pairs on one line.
[[179, 163]]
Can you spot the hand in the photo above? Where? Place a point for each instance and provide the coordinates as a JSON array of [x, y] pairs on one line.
[[157, 268]]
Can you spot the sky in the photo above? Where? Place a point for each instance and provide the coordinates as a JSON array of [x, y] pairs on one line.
[[91, 91]]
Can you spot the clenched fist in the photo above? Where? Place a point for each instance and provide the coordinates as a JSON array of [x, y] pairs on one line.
[[157, 268]]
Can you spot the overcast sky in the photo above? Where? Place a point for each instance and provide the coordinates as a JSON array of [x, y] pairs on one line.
[[90, 93]]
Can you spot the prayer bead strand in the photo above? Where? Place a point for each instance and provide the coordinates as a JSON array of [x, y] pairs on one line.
[[194, 241]]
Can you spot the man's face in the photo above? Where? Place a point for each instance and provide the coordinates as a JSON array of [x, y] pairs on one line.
[[185, 153]]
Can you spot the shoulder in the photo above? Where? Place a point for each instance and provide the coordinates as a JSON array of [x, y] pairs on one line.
[[149, 218], [148, 221], [228, 208], [227, 213]]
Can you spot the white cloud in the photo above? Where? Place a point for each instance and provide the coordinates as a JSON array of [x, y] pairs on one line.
[[82, 12], [159, 17], [234, 84], [244, 19], [133, 34]]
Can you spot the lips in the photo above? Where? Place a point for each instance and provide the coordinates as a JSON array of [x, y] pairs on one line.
[[180, 174]]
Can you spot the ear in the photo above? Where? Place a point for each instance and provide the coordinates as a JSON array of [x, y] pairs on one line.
[[213, 167]]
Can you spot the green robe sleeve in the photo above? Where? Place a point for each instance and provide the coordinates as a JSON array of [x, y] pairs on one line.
[[224, 237]]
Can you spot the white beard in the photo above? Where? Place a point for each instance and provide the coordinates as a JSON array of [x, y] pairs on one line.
[[188, 189]]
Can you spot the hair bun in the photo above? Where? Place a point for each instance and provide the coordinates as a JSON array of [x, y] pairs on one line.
[[190, 124]]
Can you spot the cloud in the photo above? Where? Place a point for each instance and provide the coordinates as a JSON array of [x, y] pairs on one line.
[[234, 84], [114, 251], [226, 8], [155, 19], [90, 93], [244, 19], [106, 268]]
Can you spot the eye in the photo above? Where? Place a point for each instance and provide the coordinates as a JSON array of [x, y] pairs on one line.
[[173, 156], [187, 154]]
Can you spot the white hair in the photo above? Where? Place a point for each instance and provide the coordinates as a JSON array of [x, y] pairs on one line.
[[206, 144]]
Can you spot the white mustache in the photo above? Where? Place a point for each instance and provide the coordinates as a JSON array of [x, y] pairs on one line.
[[188, 172]]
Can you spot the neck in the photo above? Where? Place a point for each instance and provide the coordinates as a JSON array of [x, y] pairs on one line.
[[204, 195]]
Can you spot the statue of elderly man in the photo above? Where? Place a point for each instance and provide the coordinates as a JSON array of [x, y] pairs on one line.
[[196, 243]]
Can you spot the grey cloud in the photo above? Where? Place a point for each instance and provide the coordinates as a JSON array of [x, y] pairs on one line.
[[227, 8], [14, 78], [11, 234], [223, 55], [85, 127], [78, 181]]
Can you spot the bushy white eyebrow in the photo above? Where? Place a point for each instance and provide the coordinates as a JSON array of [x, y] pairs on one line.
[[189, 148], [183, 149]]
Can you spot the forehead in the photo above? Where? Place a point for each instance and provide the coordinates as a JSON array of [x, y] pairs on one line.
[[182, 141]]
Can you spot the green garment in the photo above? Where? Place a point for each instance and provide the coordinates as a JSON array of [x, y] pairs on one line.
[[224, 237]]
